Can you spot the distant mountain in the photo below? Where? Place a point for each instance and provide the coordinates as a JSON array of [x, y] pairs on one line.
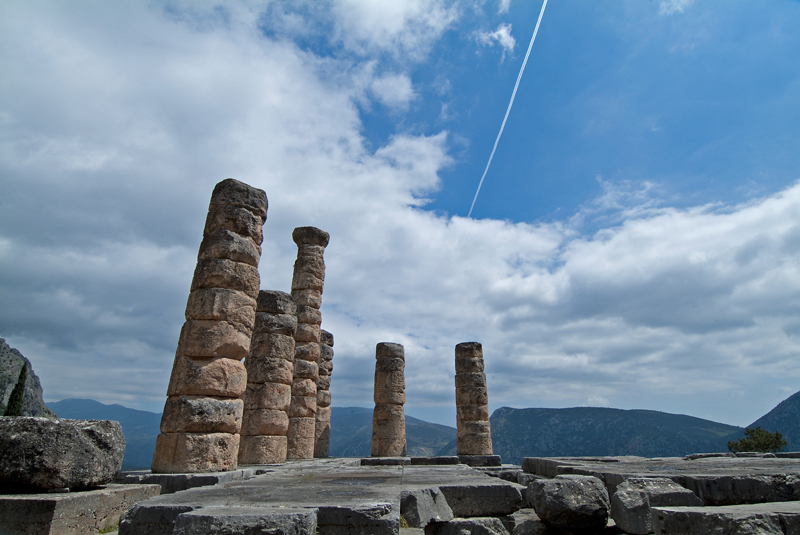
[[139, 427], [784, 418], [351, 434], [11, 362], [590, 431]]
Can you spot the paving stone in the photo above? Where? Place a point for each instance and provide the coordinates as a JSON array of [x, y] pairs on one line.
[[762, 519], [246, 521], [170, 483], [468, 526]]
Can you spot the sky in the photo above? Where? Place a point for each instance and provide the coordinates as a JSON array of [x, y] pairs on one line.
[[635, 244]]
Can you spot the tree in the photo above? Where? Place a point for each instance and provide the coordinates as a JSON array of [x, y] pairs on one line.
[[14, 407], [757, 439]]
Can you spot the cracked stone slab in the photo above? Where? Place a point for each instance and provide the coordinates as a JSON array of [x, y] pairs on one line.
[[763, 518]]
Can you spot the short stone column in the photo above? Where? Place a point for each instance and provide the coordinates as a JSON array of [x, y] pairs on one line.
[[270, 370], [307, 282], [322, 433], [472, 401], [388, 417], [203, 413]]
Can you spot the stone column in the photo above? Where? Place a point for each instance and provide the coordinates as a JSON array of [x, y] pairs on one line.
[[388, 417], [322, 434], [203, 413], [307, 282], [270, 370], [472, 401]]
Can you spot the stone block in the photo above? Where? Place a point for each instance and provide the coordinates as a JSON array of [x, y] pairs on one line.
[[323, 382], [471, 526], [311, 261], [231, 246], [209, 338], [262, 449], [326, 338], [267, 323], [235, 193], [325, 367], [201, 414], [306, 369], [480, 460], [302, 428], [264, 422], [472, 413], [309, 297], [490, 499], [220, 304], [307, 332], [469, 365], [393, 445], [246, 520], [272, 346], [420, 507], [471, 396], [305, 236], [236, 219], [470, 428], [276, 302], [471, 380], [631, 503], [73, 513], [385, 350], [304, 387], [774, 518], [222, 273], [307, 281], [308, 351], [300, 446], [474, 445], [311, 315], [390, 381], [570, 502], [302, 407], [323, 398], [323, 413], [269, 370], [386, 397], [195, 452], [273, 396], [216, 376], [50, 453]]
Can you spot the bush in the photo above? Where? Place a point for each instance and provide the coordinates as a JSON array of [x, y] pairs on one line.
[[757, 439], [14, 407]]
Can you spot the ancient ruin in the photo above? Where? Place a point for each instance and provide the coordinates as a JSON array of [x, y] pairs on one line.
[[388, 417], [203, 413], [307, 283], [472, 401], [270, 371], [322, 432]]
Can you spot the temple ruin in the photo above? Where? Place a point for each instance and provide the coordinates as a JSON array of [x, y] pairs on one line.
[[388, 417], [472, 401]]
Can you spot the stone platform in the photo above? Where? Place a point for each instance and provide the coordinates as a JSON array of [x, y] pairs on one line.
[[327, 496], [69, 513], [176, 482]]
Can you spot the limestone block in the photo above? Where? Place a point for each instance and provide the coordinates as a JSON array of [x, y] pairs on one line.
[[385, 397], [423, 506], [322, 438], [304, 387], [469, 365], [471, 396], [263, 449], [325, 368], [323, 398], [235, 193], [195, 452], [302, 407], [323, 413], [302, 428], [265, 422], [47, 453], [221, 273], [310, 261], [475, 445], [489, 499], [307, 281], [273, 346], [310, 297], [389, 350], [221, 304], [310, 236], [390, 381], [276, 302], [209, 338], [469, 350], [570, 502], [306, 314], [390, 364], [388, 447], [383, 412], [472, 526], [471, 380], [476, 413], [323, 382], [306, 369], [273, 396], [774, 518], [307, 332], [307, 351], [231, 246], [218, 376], [201, 414], [236, 219], [466, 428], [269, 370], [301, 446], [326, 338], [631, 503], [222, 520], [267, 323]]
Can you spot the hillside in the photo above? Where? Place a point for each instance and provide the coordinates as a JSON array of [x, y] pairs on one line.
[[586, 431], [786, 419], [11, 362], [139, 427]]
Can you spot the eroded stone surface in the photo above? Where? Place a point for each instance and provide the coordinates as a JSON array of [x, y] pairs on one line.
[[761, 519], [322, 432], [631, 503], [422, 506], [388, 417], [570, 502], [472, 401]]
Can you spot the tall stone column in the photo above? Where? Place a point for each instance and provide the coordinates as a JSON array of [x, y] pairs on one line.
[[472, 401], [388, 417], [307, 282], [203, 413], [322, 433], [270, 370]]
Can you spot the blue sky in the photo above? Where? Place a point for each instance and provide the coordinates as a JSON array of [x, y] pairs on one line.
[[635, 244]]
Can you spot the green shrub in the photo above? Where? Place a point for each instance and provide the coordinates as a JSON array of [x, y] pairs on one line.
[[757, 439], [14, 407]]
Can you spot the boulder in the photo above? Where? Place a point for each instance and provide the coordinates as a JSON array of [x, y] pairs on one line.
[[44, 453], [572, 502], [421, 507], [631, 503]]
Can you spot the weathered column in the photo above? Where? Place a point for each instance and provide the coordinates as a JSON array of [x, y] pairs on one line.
[[270, 370], [203, 413], [472, 401], [322, 433], [307, 283], [388, 418]]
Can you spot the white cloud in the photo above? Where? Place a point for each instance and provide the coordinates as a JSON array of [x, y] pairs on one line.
[[503, 5], [670, 7], [501, 36], [393, 90]]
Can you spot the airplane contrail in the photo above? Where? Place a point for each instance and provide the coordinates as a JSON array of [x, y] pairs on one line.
[[514, 94]]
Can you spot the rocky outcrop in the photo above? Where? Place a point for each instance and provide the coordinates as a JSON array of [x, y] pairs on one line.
[[49, 453], [11, 363]]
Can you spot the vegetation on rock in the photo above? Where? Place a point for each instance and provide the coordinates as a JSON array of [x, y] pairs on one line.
[[14, 407], [758, 439]]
